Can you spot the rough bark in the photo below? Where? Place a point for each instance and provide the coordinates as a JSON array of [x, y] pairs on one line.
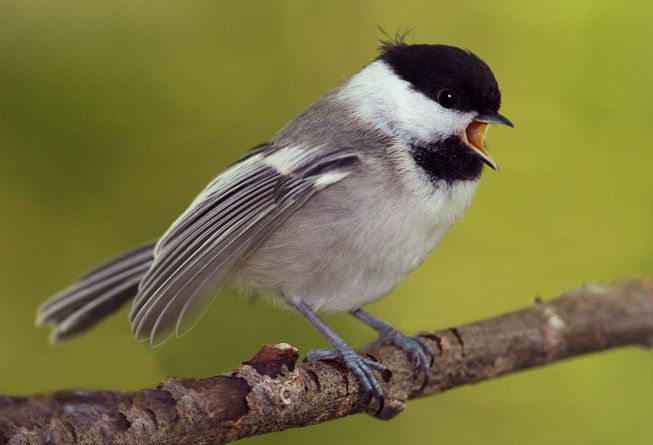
[[272, 392]]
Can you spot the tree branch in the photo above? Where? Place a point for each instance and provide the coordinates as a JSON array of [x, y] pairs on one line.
[[270, 392]]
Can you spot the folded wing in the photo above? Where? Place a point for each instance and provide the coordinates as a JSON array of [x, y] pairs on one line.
[[225, 223]]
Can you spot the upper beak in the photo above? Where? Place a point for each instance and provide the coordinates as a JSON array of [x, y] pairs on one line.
[[474, 135]]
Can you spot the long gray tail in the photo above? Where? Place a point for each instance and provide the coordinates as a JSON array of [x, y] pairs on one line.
[[97, 294]]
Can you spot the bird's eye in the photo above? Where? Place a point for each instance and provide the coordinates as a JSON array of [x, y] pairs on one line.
[[447, 98]]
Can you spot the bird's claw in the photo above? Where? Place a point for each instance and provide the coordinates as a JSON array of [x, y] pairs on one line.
[[361, 367], [420, 352]]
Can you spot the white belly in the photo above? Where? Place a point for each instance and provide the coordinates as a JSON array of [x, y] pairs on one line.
[[338, 256]]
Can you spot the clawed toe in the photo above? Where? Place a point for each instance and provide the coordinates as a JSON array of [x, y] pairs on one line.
[[420, 352], [362, 368], [321, 354]]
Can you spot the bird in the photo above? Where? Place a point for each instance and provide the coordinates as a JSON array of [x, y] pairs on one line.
[[329, 215]]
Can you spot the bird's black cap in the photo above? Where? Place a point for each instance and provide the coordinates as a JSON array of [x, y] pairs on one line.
[[434, 69]]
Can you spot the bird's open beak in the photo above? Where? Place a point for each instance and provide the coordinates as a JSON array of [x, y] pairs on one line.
[[474, 135]]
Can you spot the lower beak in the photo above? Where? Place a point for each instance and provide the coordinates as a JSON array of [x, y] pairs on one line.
[[474, 135]]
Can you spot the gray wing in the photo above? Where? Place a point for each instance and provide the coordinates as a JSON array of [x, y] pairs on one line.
[[238, 210]]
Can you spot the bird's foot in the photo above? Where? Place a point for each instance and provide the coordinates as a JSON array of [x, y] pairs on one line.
[[361, 367], [420, 352]]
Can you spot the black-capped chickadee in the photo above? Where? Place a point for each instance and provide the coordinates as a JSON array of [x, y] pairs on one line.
[[331, 214]]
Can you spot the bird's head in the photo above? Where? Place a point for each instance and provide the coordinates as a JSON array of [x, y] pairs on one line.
[[430, 95]]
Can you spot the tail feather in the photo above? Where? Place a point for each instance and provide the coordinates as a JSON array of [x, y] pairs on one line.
[[110, 268], [85, 317], [97, 294]]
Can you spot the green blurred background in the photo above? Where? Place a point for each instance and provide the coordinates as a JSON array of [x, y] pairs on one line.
[[114, 114]]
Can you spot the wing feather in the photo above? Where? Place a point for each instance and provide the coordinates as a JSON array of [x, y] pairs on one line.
[[176, 251], [224, 224], [180, 251]]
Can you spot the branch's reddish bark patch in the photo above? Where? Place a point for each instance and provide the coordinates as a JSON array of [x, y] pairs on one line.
[[273, 361]]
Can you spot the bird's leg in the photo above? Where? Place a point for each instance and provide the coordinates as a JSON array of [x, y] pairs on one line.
[[419, 350], [360, 366]]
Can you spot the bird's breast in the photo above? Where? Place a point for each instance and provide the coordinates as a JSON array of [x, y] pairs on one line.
[[354, 242]]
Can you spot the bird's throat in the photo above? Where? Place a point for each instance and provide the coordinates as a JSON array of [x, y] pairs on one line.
[[448, 160]]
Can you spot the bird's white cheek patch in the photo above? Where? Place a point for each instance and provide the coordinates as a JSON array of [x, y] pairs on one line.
[[384, 100]]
